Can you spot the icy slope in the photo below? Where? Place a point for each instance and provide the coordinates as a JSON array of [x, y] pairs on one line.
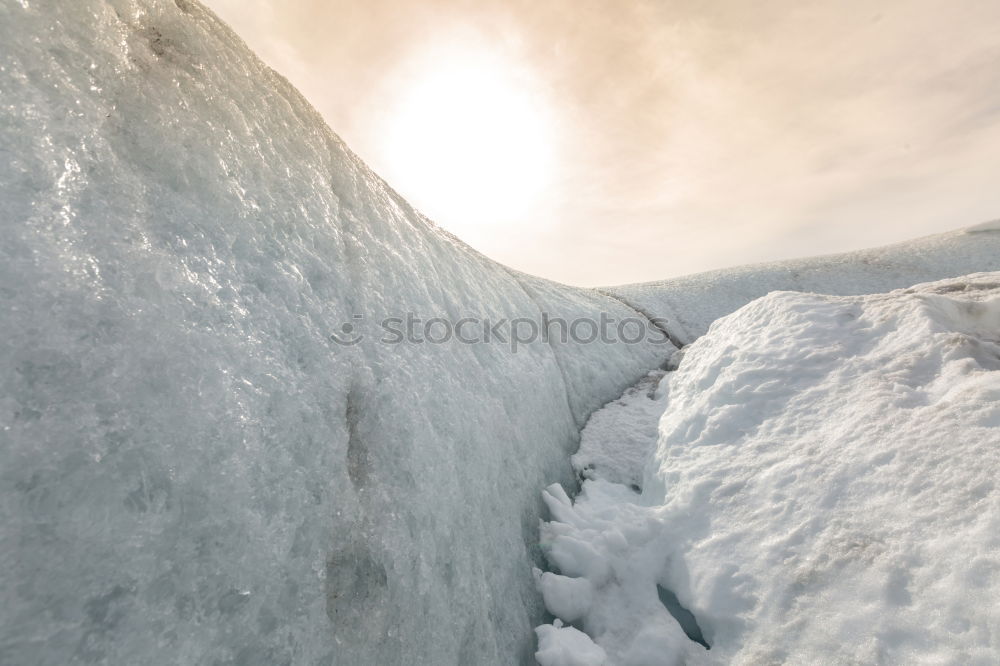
[[823, 490], [193, 470], [691, 303]]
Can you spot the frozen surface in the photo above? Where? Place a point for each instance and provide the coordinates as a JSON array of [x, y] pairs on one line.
[[192, 469], [691, 303], [566, 646], [618, 438], [823, 489]]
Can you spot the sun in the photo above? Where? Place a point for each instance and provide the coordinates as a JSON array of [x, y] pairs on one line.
[[469, 140]]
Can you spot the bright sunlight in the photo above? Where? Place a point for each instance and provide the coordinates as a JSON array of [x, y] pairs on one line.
[[469, 140]]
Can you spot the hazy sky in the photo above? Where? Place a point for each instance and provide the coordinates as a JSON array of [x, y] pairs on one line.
[[598, 142]]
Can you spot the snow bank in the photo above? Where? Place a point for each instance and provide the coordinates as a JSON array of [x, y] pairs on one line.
[[824, 488], [193, 469], [693, 302]]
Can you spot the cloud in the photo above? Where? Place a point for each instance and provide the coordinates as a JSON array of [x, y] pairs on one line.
[[692, 135]]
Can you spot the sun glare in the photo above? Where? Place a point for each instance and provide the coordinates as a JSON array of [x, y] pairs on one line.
[[469, 141]]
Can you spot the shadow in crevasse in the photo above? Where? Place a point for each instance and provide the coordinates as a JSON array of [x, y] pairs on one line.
[[684, 617]]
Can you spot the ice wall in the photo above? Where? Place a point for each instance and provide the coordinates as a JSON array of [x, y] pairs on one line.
[[192, 469], [691, 303]]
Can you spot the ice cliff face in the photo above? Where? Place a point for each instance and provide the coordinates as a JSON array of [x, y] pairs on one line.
[[192, 469]]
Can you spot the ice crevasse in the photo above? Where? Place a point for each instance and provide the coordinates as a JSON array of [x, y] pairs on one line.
[[193, 467]]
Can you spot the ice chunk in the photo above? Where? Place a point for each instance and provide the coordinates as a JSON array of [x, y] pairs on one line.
[[567, 598], [566, 646]]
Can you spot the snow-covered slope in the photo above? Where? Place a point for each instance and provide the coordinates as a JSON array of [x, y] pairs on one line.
[[691, 303], [823, 490], [192, 469]]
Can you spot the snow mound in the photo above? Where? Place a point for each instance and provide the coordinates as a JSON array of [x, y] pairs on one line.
[[566, 646], [823, 487], [691, 303], [196, 464]]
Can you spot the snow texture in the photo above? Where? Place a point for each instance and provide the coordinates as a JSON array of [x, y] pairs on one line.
[[618, 438], [691, 303], [823, 489], [566, 646], [192, 470]]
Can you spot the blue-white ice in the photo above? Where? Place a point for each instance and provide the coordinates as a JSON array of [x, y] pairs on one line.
[[192, 469]]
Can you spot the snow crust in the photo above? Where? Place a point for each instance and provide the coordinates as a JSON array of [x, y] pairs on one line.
[[822, 489], [192, 470], [691, 303]]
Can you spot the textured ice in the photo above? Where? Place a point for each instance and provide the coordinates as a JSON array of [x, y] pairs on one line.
[[193, 471], [823, 490], [691, 303]]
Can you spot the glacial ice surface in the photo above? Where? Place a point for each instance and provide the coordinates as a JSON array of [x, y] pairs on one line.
[[192, 469], [692, 302]]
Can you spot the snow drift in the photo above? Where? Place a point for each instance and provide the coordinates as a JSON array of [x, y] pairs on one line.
[[823, 488], [192, 469]]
